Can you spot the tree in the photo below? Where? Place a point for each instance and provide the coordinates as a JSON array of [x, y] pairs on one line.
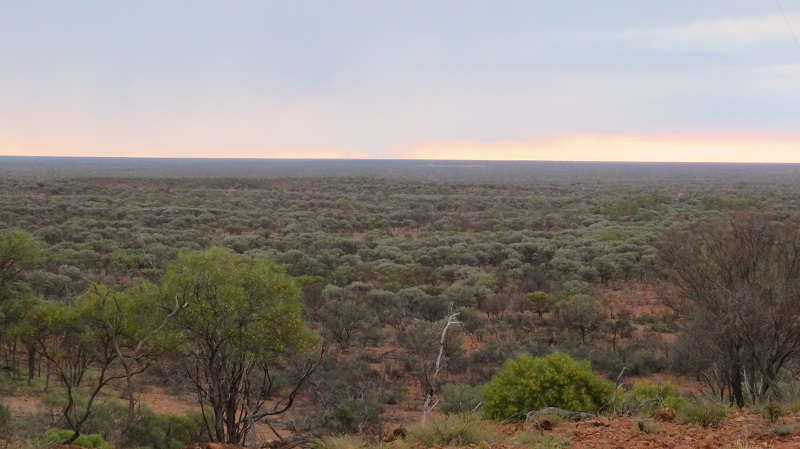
[[19, 252], [241, 316], [738, 298], [432, 346], [541, 302], [580, 314], [83, 341], [344, 322], [134, 323]]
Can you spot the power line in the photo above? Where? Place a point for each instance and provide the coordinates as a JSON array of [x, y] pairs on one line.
[[797, 42]]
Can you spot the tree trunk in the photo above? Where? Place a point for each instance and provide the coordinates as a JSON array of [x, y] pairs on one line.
[[736, 387], [31, 363]]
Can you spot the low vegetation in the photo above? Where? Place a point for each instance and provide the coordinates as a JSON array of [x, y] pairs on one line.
[[317, 304]]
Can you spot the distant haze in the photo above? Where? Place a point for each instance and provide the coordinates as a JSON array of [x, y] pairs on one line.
[[677, 80]]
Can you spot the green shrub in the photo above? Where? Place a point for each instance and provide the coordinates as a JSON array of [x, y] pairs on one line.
[[356, 415], [786, 430], [643, 362], [160, 430], [454, 430], [706, 414], [771, 410], [460, 398], [106, 419], [645, 397], [527, 383], [55, 436], [5, 414]]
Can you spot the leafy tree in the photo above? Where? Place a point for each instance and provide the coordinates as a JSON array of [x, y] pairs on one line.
[[19, 252], [528, 383], [541, 302], [83, 341], [241, 316], [19, 255], [345, 322], [580, 314]]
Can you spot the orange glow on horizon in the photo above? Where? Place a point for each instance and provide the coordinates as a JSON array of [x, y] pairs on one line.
[[578, 147], [208, 153], [632, 148]]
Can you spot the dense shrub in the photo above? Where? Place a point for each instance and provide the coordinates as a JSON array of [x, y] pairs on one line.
[[5, 414], [55, 436], [771, 410], [706, 414], [460, 398], [645, 397], [452, 431], [353, 415], [161, 430], [529, 383]]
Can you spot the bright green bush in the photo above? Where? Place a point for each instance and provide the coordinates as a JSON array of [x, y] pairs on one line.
[[645, 397], [95, 441], [529, 383]]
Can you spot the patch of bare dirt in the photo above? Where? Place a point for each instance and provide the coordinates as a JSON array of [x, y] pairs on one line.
[[161, 401], [740, 430]]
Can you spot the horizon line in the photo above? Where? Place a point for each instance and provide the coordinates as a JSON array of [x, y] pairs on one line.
[[312, 159]]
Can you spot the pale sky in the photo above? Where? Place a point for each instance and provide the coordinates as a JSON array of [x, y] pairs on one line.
[[630, 80]]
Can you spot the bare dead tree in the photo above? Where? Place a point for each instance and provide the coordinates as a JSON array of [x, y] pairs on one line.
[[738, 297], [430, 403]]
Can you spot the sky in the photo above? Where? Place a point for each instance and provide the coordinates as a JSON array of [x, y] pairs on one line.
[[615, 80]]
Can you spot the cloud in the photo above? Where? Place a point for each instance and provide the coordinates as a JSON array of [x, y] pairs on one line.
[[790, 70], [706, 34]]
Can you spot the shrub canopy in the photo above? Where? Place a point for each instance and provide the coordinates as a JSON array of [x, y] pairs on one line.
[[528, 383]]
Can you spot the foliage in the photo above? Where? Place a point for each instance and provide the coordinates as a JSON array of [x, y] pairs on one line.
[[541, 302], [5, 414], [146, 429], [19, 253], [54, 436], [580, 314], [346, 322], [527, 383], [785, 430], [646, 396], [241, 315], [98, 330], [394, 240], [704, 413], [461, 398], [456, 430], [160, 430], [421, 340], [771, 410], [357, 415]]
